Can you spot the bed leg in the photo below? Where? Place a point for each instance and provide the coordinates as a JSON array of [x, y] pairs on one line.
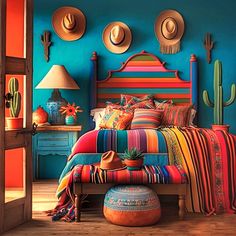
[[181, 206], [77, 207]]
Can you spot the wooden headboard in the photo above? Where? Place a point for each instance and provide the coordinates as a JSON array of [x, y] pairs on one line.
[[141, 74]]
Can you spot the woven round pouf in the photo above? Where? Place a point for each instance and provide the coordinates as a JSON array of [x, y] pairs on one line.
[[132, 205]]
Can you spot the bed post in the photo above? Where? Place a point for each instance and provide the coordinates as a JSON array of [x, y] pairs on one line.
[[93, 85], [194, 81], [93, 81]]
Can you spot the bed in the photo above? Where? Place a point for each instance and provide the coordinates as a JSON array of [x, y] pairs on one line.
[[207, 157]]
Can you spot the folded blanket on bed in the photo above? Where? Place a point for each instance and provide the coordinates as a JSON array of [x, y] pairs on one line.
[[207, 157]]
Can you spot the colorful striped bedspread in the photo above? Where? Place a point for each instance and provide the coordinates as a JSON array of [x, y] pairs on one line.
[[168, 174], [207, 157]]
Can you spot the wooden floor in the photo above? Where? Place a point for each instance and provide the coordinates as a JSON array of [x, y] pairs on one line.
[[93, 222]]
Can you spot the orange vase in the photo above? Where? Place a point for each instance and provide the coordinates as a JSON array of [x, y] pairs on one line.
[[14, 123]]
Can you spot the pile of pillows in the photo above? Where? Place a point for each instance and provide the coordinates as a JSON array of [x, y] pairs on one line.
[[142, 113]]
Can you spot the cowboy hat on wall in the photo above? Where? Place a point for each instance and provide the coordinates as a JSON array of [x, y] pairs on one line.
[[169, 29], [69, 23], [117, 37]]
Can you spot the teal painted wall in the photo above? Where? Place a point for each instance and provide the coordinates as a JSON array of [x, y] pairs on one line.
[[200, 17]]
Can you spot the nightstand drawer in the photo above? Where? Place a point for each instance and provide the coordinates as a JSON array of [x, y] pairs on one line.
[[53, 140]]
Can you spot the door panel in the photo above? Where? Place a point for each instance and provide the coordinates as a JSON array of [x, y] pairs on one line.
[[16, 144], [15, 45], [14, 174]]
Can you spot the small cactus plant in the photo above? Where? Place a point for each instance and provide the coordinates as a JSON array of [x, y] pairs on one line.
[[133, 159], [218, 104], [15, 102], [133, 154]]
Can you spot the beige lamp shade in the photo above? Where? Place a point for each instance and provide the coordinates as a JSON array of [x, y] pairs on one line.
[[57, 78]]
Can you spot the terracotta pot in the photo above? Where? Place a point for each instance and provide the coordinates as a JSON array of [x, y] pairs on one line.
[[220, 127], [14, 123], [134, 164], [40, 116]]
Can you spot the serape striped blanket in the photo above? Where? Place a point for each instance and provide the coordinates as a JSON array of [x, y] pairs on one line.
[[147, 175], [207, 157]]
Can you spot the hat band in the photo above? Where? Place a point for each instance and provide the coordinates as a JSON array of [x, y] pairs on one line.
[[116, 44]]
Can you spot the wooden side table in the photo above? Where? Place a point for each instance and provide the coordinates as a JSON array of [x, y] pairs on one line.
[[51, 147]]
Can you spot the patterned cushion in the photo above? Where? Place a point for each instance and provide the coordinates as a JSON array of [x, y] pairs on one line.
[[148, 104], [161, 104], [146, 119], [110, 106], [116, 119], [176, 115], [126, 98]]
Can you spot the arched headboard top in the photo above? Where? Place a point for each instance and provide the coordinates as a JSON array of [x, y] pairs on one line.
[[141, 65], [144, 73]]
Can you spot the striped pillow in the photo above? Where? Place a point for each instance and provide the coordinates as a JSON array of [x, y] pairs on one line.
[[177, 115], [146, 119]]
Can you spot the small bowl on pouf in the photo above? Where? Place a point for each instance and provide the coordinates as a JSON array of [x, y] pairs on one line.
[[132, 205]]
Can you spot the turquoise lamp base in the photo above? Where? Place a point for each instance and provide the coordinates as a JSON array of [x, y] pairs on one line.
[[54, 104]]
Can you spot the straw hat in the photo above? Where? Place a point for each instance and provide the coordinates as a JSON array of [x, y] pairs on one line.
[[111, 162], [69, 23], [117, 37], [169, 29]]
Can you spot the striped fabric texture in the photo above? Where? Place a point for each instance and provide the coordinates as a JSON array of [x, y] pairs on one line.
[[148, 104], [143, 74], [146, 119], [208, 158], [178, 115], [169, 174], [126, 99]]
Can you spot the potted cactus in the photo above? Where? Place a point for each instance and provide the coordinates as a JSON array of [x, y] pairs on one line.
[[218, 104], [14, 122], [133, 159]]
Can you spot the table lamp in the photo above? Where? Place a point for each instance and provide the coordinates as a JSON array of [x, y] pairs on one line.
[[57, 78]]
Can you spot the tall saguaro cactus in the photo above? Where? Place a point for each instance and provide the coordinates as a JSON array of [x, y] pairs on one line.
[[218, 104], [15, 103]]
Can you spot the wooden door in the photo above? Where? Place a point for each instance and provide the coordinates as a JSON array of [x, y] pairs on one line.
[[15, 143]]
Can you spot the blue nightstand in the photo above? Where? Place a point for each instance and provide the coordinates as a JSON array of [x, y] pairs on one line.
[[51, 147]]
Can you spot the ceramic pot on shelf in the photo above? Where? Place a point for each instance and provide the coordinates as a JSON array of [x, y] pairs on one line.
[[70, 120], [40, 116]]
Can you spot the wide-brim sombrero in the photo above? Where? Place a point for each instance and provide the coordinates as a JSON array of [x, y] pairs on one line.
[[161, 29], [57, 20], [124, 45]]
